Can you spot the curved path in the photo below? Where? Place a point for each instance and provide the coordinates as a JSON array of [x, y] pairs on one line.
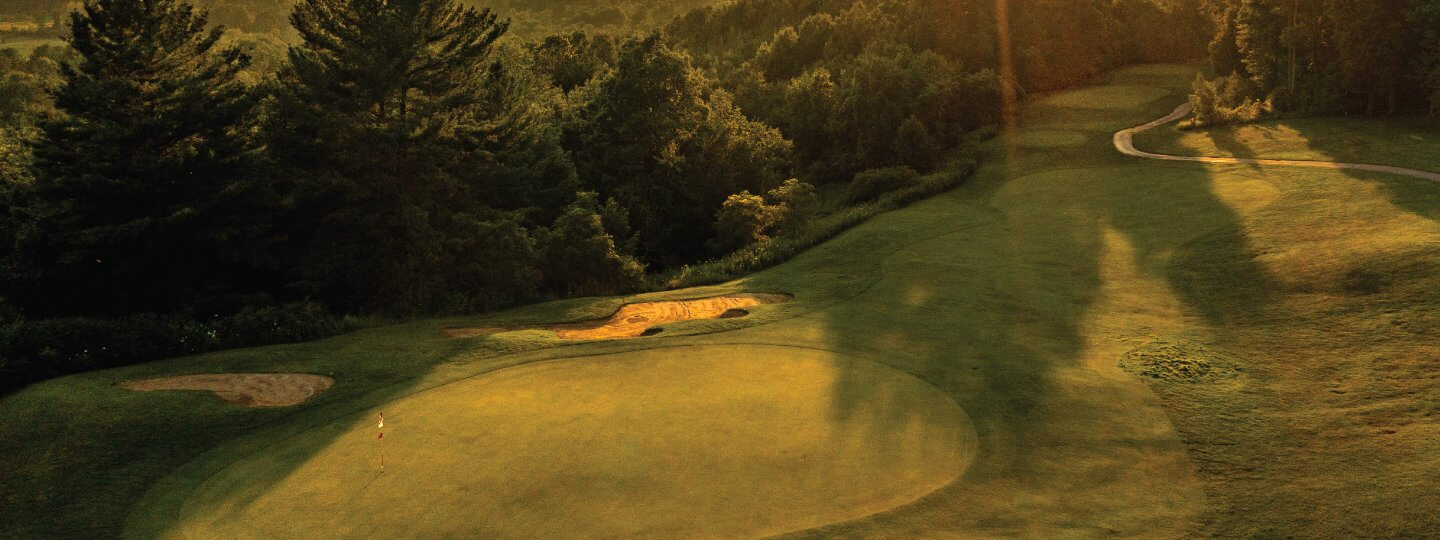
[[1124, 142]]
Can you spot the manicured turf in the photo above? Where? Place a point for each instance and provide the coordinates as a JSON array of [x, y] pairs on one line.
[[1109, 97], [1141, 349], [1050, 139], [1400, 141], [760, 427]]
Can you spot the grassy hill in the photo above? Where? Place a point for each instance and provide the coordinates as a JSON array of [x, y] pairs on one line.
[[1076, 343]]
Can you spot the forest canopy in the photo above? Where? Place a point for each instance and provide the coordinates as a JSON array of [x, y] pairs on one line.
[[165, 174], [1273, 57]]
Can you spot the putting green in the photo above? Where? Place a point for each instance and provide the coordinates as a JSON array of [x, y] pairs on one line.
[[689, 441]]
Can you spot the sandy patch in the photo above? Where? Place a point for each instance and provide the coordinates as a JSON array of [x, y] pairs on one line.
[[244, 389], [632, 320]]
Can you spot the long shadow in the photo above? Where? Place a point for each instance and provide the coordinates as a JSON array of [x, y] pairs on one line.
[[84, 444], [999, 317], [983, 293], [1224, 139], [1369, 278], [1415, 141]]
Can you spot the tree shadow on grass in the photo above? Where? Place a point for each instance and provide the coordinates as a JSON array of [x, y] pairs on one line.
[[1413, 147], [1224, 138], [1001, 318]]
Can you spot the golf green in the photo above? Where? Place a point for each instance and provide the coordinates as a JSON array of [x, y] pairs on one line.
[[769, 435]]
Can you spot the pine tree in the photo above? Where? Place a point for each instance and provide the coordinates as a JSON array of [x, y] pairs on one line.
[[141, 201], [381, 116]]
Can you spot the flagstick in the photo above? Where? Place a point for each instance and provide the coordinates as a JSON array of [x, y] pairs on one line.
[[380, 428]]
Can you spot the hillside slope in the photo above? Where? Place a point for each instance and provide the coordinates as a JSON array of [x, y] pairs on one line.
[[1091, 344]]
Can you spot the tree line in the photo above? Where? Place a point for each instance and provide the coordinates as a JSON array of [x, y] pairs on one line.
[[404, 157], [1314, 57]]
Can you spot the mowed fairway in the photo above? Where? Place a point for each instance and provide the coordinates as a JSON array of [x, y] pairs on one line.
[[1074, 344]]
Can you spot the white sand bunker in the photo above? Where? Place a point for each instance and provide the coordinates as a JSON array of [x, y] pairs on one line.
[[634, 320], [244, 389]]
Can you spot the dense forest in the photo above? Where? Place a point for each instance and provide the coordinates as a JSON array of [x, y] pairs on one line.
[[172, 187], [1334, 56]]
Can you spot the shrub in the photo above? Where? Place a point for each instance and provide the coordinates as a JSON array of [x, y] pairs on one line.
[[913, 145], [268, 325], [871, 184], [1226, 100], [760, 256], [800, 203], [33, 350], [581, 255], [743, 220]]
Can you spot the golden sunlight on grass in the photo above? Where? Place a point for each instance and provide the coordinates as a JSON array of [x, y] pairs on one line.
[[679, 442]]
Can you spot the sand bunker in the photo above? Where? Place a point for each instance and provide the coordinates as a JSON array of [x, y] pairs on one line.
[[244, 389], [633, 320]]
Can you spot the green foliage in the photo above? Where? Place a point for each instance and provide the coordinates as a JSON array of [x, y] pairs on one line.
[[1330, 56], [581, 255], [51, 347], [143, 199], [743, 220], [913, 146], [511, 139], [759, 256], [799, 201], [404, 138], [266, 325], [532, 19], [572, 60], [793, 49], [39, 349], [1226, 100], [871, 184], [392, 116], [1224, 48], [655, 135]]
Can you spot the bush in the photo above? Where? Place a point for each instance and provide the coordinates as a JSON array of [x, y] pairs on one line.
[[743, 220], [581, 254], [34, 350], [268, 325], [1226, 100], [871, 184], [760, 256], [40, 349], [800, 203]]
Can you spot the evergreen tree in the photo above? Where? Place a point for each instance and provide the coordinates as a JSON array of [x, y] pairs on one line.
[[141, 201], [381, 116]]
